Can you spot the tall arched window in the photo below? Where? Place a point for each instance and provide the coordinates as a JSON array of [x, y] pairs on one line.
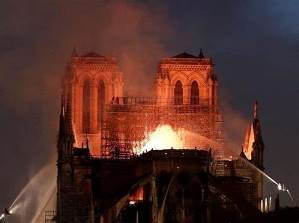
[[101, 103], [86, 107], [194, 100], [178, 93]]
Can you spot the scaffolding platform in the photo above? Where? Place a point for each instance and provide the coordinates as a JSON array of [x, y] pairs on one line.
[[128, 122]]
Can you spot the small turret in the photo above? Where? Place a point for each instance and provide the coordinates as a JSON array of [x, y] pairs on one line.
[[201, 55], [66, 138], [69, 122], [255, 111], [74, 52], [61, 131], [86, 138]]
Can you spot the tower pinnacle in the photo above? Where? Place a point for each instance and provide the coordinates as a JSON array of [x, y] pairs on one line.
[[74, 52], [62, 112], [201, 55], [255, 110], [61, 131]]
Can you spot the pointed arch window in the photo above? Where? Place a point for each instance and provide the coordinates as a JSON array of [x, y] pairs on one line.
[[178, 93], [194, 99], [101, 103], [86, 107]]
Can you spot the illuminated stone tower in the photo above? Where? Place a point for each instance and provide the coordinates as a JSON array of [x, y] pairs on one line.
[[188, 84], [91, 82], [106, 189], [187, 79]]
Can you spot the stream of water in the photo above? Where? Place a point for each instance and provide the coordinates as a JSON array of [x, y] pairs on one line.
[[33, 198]]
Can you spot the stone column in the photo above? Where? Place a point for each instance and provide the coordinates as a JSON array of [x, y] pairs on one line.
[[121, 89], [215, 93], [79, 107], [108, 93], [171, 95], [186, 95], [76, 105], [211, 92]]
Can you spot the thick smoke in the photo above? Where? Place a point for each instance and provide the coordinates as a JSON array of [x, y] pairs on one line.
[[134, 34], [37, 38], [235, 125]]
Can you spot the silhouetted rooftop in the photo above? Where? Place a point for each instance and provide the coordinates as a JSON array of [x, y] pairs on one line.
[[184, 55], [92, 54]]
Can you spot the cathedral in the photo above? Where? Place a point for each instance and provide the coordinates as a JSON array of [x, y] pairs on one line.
[[124, 158]]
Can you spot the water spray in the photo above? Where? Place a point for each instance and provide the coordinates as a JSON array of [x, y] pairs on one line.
[[6, 212], [34, 196], [260, 171], [280, 186]]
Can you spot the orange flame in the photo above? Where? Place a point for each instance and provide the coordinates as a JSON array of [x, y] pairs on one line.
[[164, 137], [248, 143]]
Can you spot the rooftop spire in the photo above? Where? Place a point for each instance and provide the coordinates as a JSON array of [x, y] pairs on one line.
[[201, 54], [86, 137], [61, 131], [255, 110], [62, 112], [74, 52], [68, 116]]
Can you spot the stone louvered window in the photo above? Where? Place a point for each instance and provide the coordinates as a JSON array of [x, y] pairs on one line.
[[194, 99], [101, 102], [178, 93], [86, 107]]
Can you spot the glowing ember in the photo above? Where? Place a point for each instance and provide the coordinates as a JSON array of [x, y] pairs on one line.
[[164, 137]]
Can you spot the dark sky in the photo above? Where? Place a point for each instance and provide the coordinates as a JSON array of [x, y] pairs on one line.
[[254, 43]]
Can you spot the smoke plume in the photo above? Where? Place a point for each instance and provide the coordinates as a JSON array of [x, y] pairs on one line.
[[235, 125], [37, 38]]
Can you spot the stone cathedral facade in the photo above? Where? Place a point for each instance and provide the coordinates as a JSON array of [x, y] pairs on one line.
[[91, 82], [187, 82], [101, 177]]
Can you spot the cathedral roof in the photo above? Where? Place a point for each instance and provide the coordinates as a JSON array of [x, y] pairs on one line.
[[92, 54], [188, 59], [184, 55], [92, 58]]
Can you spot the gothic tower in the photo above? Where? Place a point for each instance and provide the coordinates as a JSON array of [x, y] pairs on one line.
[[188, 84], [64, 163], [187, 79], [253, 151], [97, 189], [91, 82]]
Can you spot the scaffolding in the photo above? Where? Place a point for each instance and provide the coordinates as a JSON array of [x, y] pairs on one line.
[[129, 121]]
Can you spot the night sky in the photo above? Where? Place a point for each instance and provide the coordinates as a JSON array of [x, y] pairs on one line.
[[254, 44]]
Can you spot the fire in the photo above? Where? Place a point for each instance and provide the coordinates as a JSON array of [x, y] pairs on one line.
[[164, 137], [248, 143], [137, 195]]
